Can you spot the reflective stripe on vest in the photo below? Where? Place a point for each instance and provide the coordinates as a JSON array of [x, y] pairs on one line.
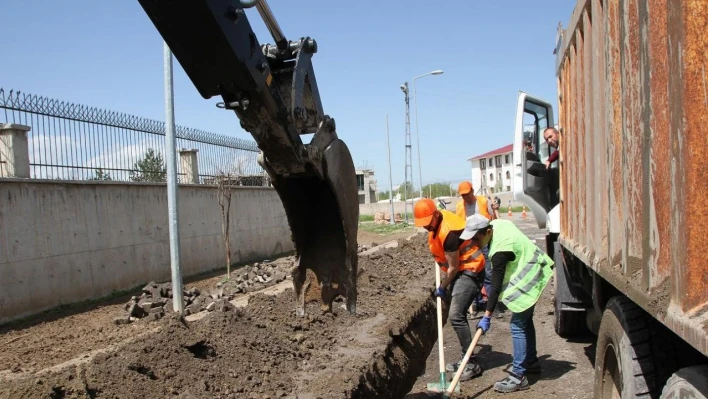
[[517, 289], [528, 274], [470, 257]]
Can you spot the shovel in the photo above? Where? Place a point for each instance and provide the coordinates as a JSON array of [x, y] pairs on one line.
[[458, 374], [441, 385]]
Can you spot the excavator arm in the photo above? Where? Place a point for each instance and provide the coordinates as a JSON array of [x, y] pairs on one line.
[[273, 91]]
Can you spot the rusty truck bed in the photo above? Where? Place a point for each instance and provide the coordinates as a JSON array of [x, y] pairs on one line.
[[633, 99]]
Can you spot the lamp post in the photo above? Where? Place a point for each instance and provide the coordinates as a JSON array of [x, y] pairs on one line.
[[417, 135], [390, 175]]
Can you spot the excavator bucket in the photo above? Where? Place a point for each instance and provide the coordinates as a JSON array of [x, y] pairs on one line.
[[273, 91], [323, 213]]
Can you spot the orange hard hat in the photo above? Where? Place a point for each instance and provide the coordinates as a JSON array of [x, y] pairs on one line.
[[423, 212], [464, 188]]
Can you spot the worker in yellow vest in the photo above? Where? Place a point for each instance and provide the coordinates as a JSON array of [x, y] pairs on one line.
[[477, 205], [521, 272], [463, 263]]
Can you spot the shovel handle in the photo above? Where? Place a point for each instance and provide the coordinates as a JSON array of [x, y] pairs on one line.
[[463, 364], [441, 347]]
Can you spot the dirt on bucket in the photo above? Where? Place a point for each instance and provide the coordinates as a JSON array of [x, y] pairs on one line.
[[265, 351]]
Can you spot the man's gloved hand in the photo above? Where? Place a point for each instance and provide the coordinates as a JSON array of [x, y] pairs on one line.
[[440, 291], [484, 324]]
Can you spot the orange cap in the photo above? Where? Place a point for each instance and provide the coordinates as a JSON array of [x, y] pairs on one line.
[[464, 187], [423, 212]]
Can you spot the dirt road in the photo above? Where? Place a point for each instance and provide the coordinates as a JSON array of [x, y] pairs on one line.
[[567, 364], [265, 351]]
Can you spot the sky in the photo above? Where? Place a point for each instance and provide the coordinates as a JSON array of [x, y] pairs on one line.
[[108, 54]]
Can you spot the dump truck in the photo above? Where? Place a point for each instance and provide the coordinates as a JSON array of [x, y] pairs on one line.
[[625, 206]]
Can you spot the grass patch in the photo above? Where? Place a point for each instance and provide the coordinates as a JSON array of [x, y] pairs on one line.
[[366, 218], [385, 229]]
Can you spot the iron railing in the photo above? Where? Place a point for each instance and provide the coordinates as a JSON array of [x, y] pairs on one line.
[[77, 142]]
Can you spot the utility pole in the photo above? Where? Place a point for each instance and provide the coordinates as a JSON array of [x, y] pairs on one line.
[[409, 156], [171, 158], [390, 175]]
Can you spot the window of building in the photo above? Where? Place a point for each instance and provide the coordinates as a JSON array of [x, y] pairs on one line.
[[360, 182], [506, 159], [499, 176], [508, 188], [491, 162], [491, 177], [497, 160], [483, 164], [508, 175]]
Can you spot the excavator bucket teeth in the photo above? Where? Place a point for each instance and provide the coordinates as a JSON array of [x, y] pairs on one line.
[[323, 215]]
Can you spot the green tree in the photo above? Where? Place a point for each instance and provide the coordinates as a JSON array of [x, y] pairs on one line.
[[407, 191], [151, 168], [384, 195], [438, 190], [99, 174]]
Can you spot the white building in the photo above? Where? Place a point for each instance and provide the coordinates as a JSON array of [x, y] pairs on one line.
[[366, 183], [494, 171]]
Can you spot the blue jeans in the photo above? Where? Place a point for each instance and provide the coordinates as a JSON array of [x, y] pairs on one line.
[[464, 291], [523, 337]]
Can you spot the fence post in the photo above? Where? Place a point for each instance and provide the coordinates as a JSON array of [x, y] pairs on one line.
[[14, 150], [189, 166]]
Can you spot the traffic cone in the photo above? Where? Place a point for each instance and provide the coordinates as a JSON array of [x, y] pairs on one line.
[[509, 214], [523, 212]]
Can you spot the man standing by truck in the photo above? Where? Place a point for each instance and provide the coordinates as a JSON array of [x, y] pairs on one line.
[[520, 272], [463, 264]]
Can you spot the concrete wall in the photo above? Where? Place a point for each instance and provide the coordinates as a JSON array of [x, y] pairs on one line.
[[64, 242], [371, 209]]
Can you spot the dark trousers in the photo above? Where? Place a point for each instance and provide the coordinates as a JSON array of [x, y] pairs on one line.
[[464, 292]]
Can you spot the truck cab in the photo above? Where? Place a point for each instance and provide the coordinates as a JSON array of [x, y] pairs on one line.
[[534, 184], [538, 187]]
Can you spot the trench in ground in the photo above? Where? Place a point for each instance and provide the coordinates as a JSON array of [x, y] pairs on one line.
[[264, 350]]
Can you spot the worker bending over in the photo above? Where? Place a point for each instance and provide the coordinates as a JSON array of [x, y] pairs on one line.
[[463, 265], [476, 205], [520, 272]]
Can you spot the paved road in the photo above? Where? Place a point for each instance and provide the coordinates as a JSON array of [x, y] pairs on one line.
[[567, 364]]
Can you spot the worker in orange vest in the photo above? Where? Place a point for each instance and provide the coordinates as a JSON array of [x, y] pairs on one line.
[[463, 263], [471, 205]]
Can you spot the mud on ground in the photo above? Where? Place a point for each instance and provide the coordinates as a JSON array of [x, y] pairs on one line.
[[265, 351]]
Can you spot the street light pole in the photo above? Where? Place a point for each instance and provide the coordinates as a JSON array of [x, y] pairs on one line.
[[390, 175], [417, 135]]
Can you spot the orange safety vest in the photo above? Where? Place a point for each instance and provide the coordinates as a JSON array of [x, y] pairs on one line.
[[482, 204], [471, 257]]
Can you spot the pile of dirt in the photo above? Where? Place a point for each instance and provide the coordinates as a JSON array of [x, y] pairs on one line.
[[266, 351]]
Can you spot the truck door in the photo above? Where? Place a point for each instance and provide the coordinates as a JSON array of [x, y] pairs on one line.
[[534, 185]]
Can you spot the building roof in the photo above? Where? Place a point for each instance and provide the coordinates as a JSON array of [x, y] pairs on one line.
[[498, 151]]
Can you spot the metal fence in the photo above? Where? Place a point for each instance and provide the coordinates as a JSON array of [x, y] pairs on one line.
[[77, 142]]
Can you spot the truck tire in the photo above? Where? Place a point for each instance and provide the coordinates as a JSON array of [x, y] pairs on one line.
[[687, 383], [567, 323], [624, 360]]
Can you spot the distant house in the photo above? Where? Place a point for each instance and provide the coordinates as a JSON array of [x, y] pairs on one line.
[[366, 183], [494, 170]]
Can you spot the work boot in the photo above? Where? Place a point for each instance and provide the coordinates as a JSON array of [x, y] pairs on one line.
[[531, 368], [512, 383], [472, 369]]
